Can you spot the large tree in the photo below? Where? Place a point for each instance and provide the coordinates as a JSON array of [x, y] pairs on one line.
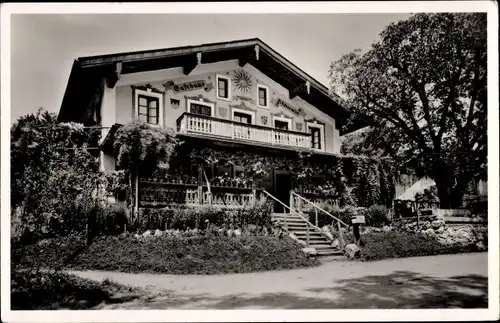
[[422, 87]]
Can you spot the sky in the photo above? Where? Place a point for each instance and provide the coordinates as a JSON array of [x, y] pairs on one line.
[[44, 46]]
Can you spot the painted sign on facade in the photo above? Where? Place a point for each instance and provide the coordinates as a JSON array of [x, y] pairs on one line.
[[188, 86], [243, 98], [296, 111]]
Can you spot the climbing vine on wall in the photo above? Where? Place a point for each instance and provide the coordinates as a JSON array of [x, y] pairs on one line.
[[359, 181]]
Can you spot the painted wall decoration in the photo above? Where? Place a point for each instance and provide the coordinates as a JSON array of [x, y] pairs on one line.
[[175, 104], [147, 87], [263, 120], [242, 106], [242, 80], [199, 97], [223, 112], [188, 86], [277, 102], [281, 114], [298, 126], [243, 98], [314, 120]]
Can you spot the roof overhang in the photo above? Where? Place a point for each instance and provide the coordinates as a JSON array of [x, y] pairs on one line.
[[249, 51]]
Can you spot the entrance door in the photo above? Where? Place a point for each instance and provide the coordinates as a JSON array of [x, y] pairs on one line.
[[282, 187]]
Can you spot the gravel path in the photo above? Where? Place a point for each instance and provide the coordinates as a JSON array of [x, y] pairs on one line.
[[421, 282]]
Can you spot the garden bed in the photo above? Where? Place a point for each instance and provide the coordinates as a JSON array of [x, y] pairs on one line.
[[169, 255], [377, 246]]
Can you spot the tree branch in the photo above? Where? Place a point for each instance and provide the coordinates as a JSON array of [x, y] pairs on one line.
[[396, 120]]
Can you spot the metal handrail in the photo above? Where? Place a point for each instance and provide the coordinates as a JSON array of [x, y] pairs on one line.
[[292, 210], [319, 208]]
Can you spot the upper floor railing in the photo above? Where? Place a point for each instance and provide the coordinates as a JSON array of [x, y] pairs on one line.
[[210, 126]]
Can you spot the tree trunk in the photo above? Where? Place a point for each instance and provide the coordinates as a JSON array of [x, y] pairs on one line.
[[458, 192], [450, 194], [444, 184]]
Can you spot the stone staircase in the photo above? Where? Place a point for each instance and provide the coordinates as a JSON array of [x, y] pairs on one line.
[[298, 227]]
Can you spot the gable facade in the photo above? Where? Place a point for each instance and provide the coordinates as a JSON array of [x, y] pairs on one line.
[[222, 90]]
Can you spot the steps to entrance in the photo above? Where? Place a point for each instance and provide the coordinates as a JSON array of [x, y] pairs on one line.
[[296, 225]]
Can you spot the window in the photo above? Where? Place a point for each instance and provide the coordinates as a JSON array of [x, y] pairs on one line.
[[201, 108], [280, 124], [242, 117], [317, 136], [223, 87], [262, 96], [149, 107]]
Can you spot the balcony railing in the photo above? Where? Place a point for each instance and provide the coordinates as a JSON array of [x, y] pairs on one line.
[[189, 123]]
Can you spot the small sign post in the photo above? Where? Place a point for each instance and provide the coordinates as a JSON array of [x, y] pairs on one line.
[[356, 221]]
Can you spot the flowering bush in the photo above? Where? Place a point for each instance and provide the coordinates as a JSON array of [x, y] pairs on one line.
[[185, 218]]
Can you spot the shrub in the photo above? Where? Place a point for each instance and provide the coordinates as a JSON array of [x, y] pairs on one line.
[[36, 290], [258, 214], [325, 219], [112, 219], [184, 218], [210, 254], [48, 253], [377, 216], [401, 245]]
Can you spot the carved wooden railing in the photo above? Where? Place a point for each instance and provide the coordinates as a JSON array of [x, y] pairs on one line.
[[229, 200], [150, 196], [159, 194], [198, 124]]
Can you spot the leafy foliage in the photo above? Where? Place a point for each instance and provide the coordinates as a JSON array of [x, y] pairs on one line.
[[377, 216], [192, 255], [200, 217], [36, 290], [423, 87], [349, 180], [139, 145], [209, 254], [55, 174], [401, 245]]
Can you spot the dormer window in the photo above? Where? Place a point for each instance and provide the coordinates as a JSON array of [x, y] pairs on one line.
[[263, 96], [223, 87]]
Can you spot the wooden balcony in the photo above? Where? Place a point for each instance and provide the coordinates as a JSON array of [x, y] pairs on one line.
[[189, 123]]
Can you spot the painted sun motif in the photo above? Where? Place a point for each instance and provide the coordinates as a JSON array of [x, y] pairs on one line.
[[242, 80]]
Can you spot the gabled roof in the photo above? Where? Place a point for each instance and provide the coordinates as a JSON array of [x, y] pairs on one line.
[[88, 73]]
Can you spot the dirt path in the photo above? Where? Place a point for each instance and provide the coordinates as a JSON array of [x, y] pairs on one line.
[[423, 282]]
